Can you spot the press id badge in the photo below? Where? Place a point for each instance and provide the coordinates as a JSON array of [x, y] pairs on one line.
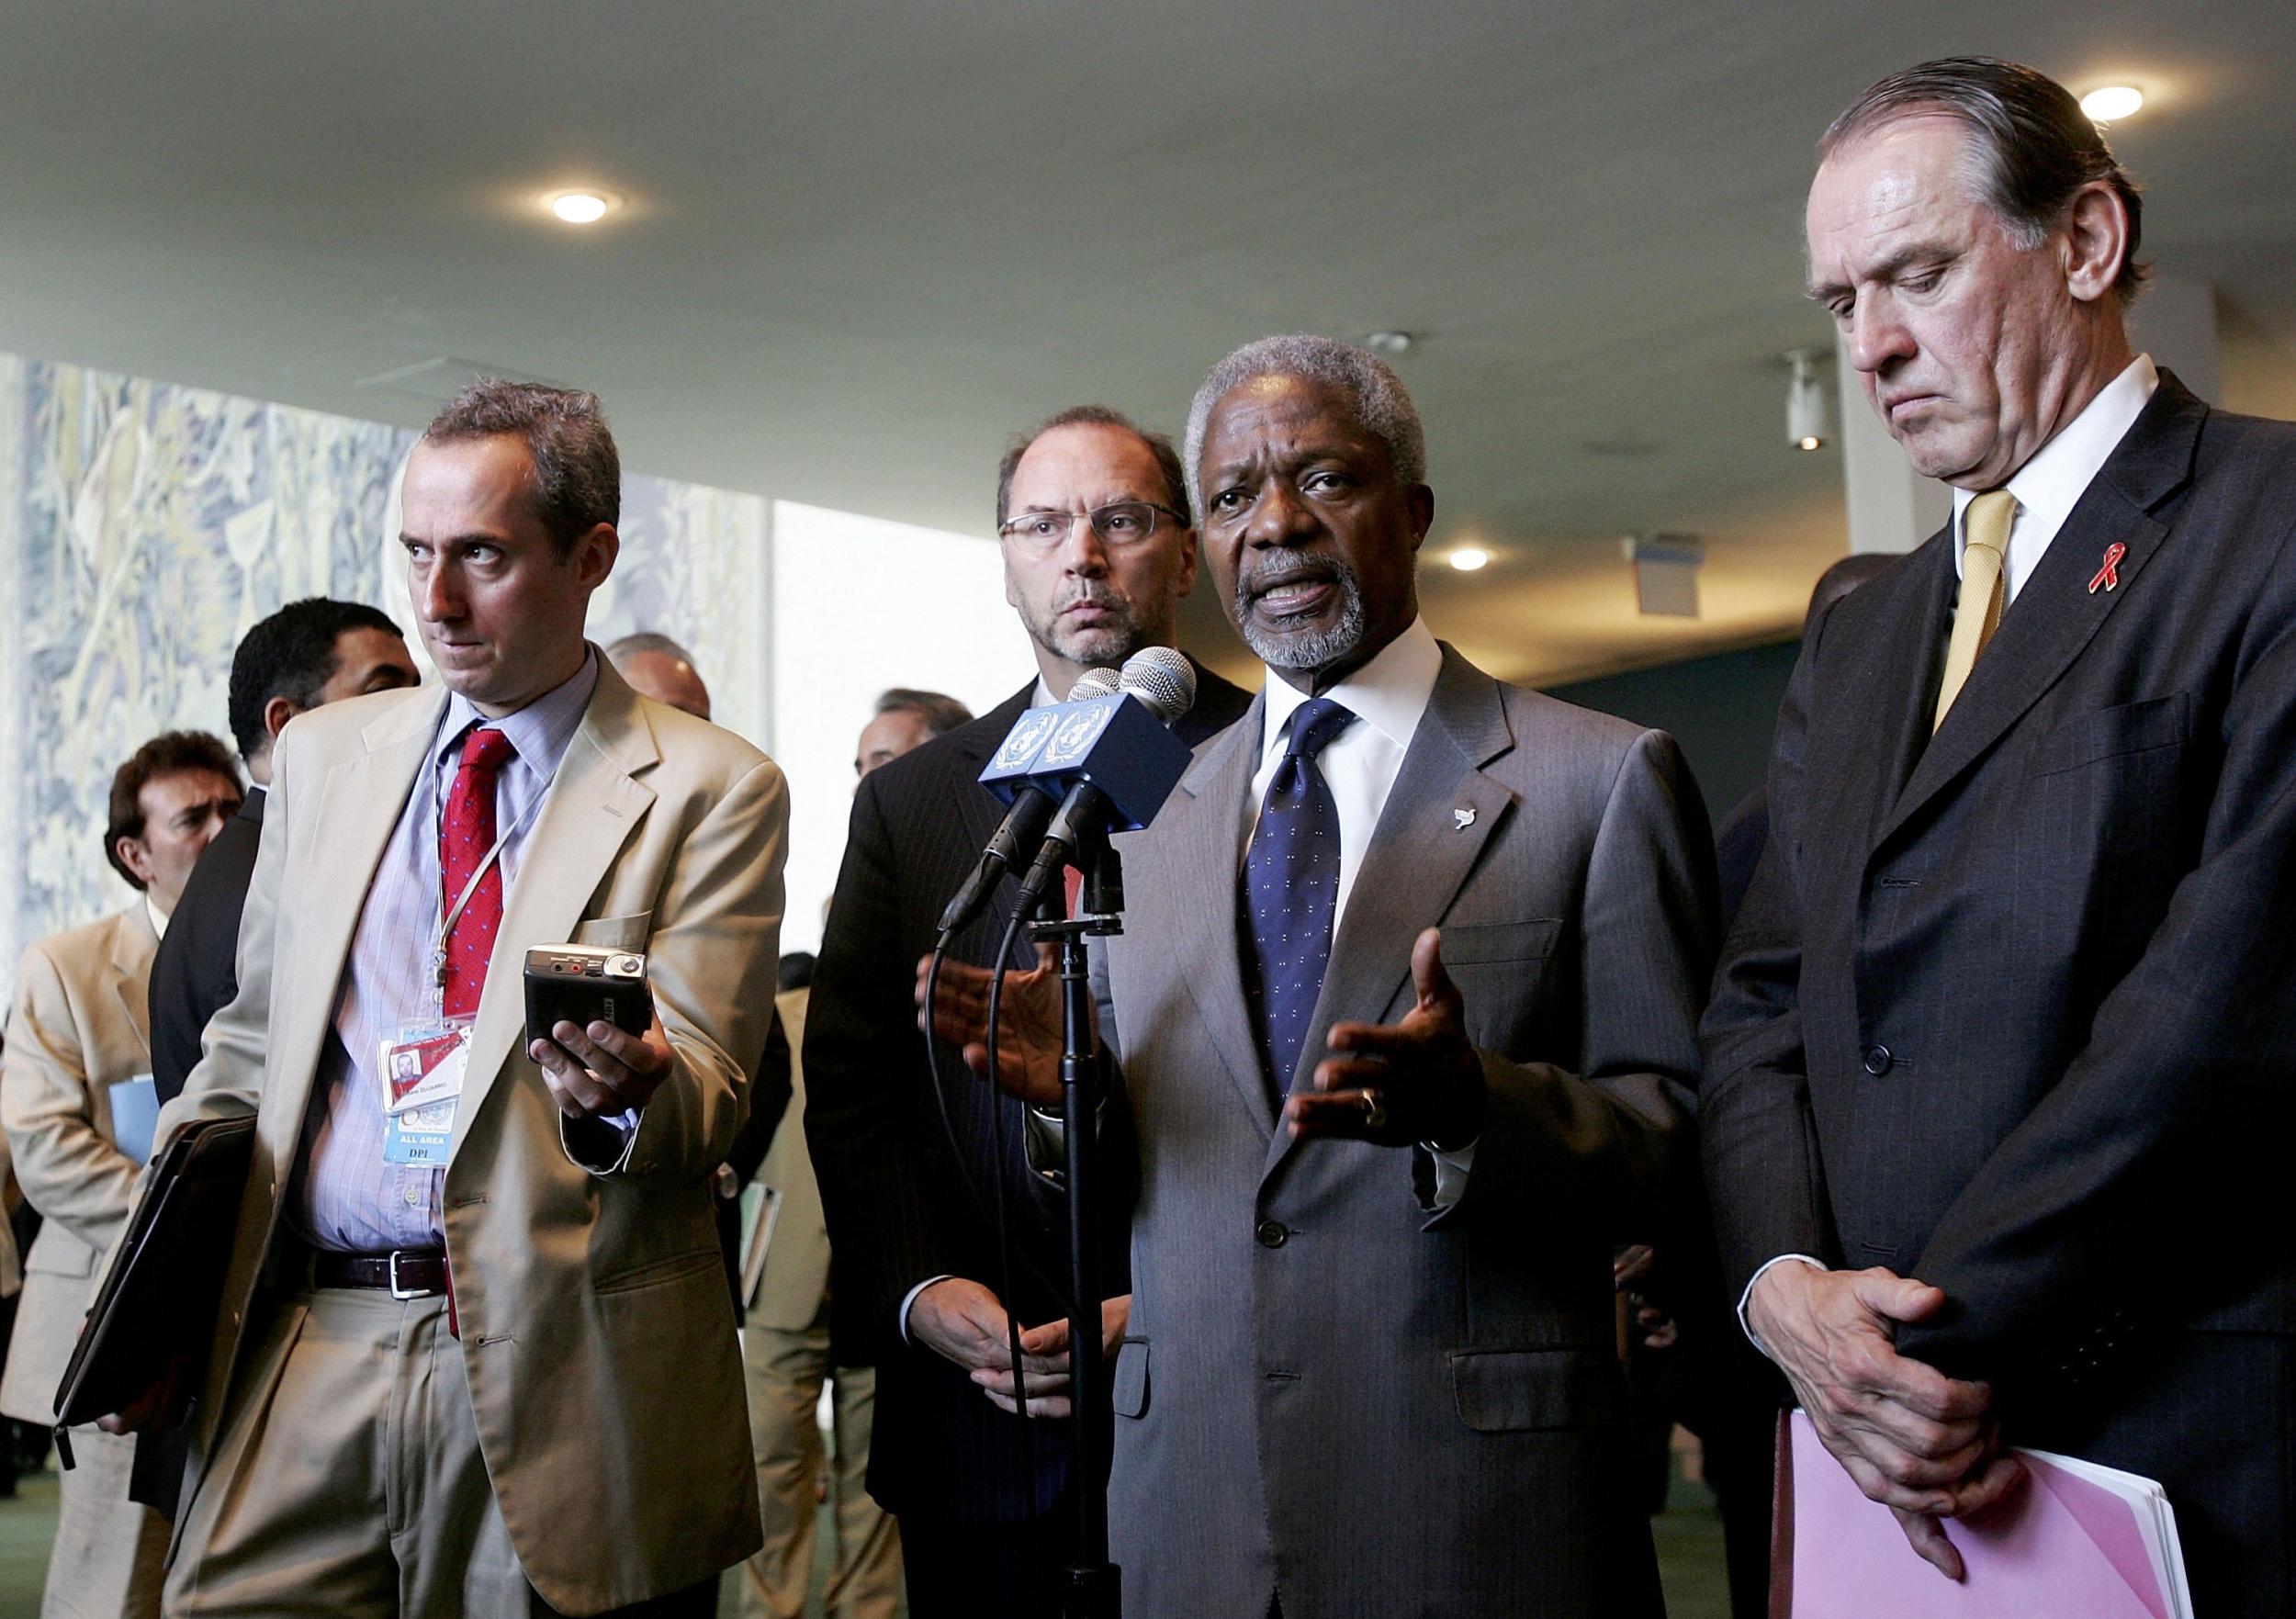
[[423, 1073]]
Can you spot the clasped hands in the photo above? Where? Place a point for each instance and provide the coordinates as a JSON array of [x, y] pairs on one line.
[[601, 1072], [963, 1322], [1418, 1079], [1922, 1443]]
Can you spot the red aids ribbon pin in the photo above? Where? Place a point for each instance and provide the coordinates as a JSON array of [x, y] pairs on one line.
[[2109, 576]]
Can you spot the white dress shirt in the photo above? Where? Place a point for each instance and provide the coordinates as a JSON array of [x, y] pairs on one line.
[[2049, 485], [1388, 696], [2047, 489]]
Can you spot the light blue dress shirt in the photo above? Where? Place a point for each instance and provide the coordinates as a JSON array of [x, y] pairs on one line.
[[344, 1196]]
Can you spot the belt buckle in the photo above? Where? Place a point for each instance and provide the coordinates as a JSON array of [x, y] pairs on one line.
[[396, 1290]]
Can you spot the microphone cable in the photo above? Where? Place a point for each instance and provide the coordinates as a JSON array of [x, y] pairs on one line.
[[992, 1209], [1004, 1239]]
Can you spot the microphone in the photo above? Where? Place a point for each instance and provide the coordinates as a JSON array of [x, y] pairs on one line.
[[1161, 678], [1125, 780], [1032, 804], [1094, 683]]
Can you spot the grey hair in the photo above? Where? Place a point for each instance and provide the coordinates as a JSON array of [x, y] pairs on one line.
[[648, 641], [1381, 404], [2033, 148], [577, 471]]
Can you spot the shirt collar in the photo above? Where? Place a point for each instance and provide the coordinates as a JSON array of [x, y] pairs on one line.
[[2049, 486], [539, 732], [158, 916], [1389, 693]]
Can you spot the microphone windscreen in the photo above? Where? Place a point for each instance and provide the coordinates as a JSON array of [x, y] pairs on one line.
[[1094, 683], [1163, 680]]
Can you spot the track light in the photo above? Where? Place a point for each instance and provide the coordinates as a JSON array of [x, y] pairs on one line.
[[1806, 423]]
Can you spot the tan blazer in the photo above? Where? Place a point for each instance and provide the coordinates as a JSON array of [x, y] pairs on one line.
[[797, 1251], [604, 1374], [81, 1025]]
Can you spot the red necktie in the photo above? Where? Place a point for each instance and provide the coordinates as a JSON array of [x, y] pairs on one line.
[[466, 834]]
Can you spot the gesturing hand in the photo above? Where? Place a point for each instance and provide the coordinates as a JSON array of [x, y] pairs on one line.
[[1029, 1031], [1418, 1080], [599, 1071], [1914, 1439]]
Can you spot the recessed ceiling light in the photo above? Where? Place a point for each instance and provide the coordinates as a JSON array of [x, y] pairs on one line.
[[582, 207], [1467, 558], [2111, 101]]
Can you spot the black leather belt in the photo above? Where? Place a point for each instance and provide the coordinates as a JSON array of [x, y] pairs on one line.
[[405, 1272]]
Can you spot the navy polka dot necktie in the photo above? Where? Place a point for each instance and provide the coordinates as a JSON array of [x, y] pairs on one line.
[[1291, 891]]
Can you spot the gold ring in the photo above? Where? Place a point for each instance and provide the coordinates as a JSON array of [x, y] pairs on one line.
[[1373, 1110]]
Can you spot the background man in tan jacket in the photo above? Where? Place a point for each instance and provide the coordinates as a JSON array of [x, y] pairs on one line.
[[79, 1027], [568, 1416]]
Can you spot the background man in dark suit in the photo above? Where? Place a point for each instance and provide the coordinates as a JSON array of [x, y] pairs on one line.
[[1383, 1167], [1739, 837], [308, 653], [1098, 549], [1997, 1066]]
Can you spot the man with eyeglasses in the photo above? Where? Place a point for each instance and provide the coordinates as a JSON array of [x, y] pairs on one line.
[[1099, 548]]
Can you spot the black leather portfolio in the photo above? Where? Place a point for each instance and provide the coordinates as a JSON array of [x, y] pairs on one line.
[[159, 1297]]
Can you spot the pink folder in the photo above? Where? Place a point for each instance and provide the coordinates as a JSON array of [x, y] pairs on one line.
[[2077, 1541]]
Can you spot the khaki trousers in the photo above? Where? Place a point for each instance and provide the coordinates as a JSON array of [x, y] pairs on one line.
[[347, 1481], [109, 1550], [784, 1371]]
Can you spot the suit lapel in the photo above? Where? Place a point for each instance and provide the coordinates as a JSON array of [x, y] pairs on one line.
[[981, 814], [1419, 856], [592, 805], [358, 806], [2055, 614], [1202, 825], [133, 944]]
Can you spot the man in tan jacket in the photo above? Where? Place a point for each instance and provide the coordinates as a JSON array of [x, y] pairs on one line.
[[475, 1355], [78, 1029]]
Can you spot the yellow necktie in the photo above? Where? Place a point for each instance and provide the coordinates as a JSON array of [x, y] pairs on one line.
[[1985, 532]]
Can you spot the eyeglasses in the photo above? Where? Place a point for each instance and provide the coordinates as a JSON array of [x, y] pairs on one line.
[[1122, 523]]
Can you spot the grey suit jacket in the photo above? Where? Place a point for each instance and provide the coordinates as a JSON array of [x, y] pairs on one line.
[[1331, 1393]]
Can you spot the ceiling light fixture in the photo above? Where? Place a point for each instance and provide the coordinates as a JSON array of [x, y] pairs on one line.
[[2109, 102], [1467, 558], [1390, 342], [1805, 402], [580, 207]]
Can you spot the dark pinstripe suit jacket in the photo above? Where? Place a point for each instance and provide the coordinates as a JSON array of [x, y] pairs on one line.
[[897, 1206], [2010, 1008], [1331, 1394]]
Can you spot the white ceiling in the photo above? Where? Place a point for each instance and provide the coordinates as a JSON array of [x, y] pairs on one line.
[[867, 242]]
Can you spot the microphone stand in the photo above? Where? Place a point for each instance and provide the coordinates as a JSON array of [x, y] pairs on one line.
[[1095, 1585]]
